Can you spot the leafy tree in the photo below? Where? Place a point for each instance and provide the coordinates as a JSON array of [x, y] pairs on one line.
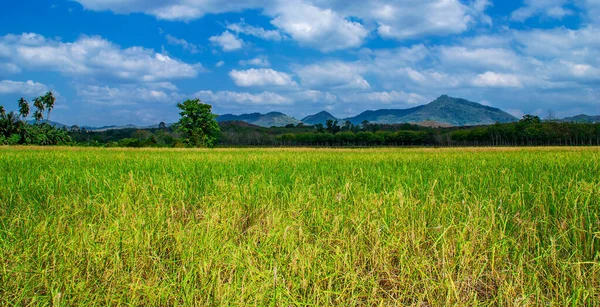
[[23, 108], [320, 128], [332, 126], [38, 103], [49, 101], [162, 126], [198, 122], [10, 124], [2, 111]]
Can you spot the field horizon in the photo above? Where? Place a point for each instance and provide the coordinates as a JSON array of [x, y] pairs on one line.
[[510, 226]]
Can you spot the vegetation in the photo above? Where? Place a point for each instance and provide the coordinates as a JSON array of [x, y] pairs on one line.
[[297, 227], [530, 131], [14, 129], [198, 123]]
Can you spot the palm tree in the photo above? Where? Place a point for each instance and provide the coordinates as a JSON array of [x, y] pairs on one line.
[[23, 108], [11, 123], [2, 112], [38, 103], [49, 101]]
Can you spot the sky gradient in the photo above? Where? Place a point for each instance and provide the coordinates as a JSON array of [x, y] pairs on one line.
[[130, 61]]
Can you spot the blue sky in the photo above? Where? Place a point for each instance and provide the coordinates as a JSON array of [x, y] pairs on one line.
[[131, 61]]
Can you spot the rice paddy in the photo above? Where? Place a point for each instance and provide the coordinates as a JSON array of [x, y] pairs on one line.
[[300, 227]]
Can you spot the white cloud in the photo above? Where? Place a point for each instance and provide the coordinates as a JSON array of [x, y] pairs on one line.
[[492, 79], [335, 74], [326, 25], [172, 10], [192, 48], [261, 77], [323, 29], [459, 56], [550, 8], [28, 88], [9, 69], [127, 94], [93, 57], [412, 19], [220, 64], [391, 97], [261, 62], [243, 28], [315, 96], [224, 97], [227, 41]]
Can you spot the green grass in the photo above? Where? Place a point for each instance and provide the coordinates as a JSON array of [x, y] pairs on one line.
[[300, 227]]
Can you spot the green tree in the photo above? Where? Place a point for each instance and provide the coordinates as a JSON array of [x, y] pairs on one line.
[[49, 101], [2, 111], [23, 108], [38, 103], [162, 126], [198, 122]]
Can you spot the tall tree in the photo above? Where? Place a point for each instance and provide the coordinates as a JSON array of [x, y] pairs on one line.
[[38, 103], [49, 101], [23, 108], [2, 111], [198, 122]]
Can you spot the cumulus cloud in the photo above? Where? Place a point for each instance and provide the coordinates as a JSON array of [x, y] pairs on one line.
[[9, 69], [327, 25], [128, 94], [323, 29], [93, 56], [334, 74], [390, 97], [243, 28], [314, 96], [479, 57], [227, 41], [550, 8], [260, 61], [261, 77], [225, 97], [27, 88], [414, 18], [172, 40], [172, 10], [492, 79]]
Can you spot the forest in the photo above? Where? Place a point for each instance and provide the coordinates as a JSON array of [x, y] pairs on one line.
[[529, 131]]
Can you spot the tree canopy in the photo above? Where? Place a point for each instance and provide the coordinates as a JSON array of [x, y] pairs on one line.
[[198, 123]]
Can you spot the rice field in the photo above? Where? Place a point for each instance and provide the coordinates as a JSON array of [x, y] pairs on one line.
[[300, 227]]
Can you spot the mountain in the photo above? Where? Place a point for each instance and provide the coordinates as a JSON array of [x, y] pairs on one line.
[[319, 118], [270, 119], [582, 118], [49, 122], [444, 110]]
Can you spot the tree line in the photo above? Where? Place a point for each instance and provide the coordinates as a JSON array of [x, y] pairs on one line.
[[198, 127], [14, 129]]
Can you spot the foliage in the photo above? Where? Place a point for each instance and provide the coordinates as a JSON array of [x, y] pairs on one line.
[[14, 130], [198, 123]]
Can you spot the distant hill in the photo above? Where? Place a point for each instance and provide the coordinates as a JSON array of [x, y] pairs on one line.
[[443, 110], [237, 123], [582, 118], [49, 122], [270, 119], [319, 118]]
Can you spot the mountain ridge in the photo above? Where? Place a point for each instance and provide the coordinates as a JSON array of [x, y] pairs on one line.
[[443, 111]]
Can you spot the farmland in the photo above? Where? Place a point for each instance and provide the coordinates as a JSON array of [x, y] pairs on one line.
[[300, 227]]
